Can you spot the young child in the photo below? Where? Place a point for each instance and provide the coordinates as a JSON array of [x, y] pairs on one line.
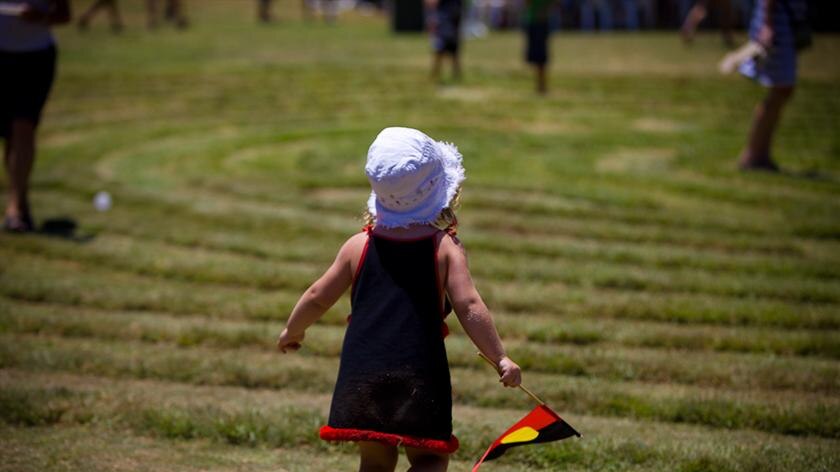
[[405, 269]]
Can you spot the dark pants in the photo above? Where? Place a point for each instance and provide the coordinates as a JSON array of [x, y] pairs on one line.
[[24, 85]]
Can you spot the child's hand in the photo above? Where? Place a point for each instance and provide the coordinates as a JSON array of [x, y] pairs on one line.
[[288, 341], [511, 374]]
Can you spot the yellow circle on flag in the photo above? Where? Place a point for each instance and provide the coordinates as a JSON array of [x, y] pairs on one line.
[[524, 434]]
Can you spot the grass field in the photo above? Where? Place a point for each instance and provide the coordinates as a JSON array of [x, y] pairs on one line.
[[682, 315]]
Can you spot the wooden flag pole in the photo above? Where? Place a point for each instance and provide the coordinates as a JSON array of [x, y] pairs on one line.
[[521, 387]]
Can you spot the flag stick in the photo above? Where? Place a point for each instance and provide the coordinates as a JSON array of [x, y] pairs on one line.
[[521, 387]]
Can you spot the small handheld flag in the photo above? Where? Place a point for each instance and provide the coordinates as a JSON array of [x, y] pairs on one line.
[[539, 426]]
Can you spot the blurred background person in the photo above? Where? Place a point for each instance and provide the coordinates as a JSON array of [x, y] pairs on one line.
[[537, 31], [772, 27], [173, 12], [698, 13], [264, 11], [588, 11], [27, 69], [443, 19], [113, 13]]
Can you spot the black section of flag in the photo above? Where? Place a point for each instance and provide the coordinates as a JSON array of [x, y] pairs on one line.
[[553, 432]]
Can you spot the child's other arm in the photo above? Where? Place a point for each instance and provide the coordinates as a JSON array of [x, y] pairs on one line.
[[473, 313], [319, 297]]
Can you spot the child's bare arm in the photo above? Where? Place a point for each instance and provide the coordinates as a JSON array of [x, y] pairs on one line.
[[473, 313], [318, 298]]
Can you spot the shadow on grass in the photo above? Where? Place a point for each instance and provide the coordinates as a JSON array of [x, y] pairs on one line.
[[64, 228]]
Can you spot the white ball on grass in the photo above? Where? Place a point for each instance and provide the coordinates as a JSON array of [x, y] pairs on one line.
[[102, 201]]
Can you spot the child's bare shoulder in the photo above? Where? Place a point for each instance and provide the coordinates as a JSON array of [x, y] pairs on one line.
[[351, 250], [451, 247]]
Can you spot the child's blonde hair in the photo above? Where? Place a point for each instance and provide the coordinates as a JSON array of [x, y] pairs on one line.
[[446, 219]]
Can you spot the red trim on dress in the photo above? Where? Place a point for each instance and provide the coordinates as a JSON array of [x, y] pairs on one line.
[[328, 433]]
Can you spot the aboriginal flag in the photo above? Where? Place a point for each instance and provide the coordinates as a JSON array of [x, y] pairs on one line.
[[539, 426]]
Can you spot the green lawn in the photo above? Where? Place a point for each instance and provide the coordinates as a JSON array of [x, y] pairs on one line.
[[682, 315]]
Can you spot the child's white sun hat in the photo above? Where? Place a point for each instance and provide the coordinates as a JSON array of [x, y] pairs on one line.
[[412, 177]]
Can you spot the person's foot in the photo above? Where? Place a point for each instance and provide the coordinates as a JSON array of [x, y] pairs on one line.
[[763, 165], [17, 224]]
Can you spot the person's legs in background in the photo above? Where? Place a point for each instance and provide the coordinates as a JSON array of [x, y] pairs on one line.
[[695, 16], [264, 11], [757, 154], [22, 98], [19, 159]]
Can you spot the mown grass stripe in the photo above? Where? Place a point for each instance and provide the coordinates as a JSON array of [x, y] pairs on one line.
[[799, 414], [183, 412], [541, 329], [493, 224], [585, 331], [37, 279], [209, 267], [734, 372]]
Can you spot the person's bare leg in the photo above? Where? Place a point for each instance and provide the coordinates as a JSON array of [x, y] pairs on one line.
[[377, 457], [695, 16], [19, 159], [757, 155], [425, 461]]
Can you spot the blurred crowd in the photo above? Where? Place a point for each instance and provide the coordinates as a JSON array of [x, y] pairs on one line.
[[612, 14]]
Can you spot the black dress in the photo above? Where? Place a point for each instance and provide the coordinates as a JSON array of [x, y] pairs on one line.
[[393, 381]]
